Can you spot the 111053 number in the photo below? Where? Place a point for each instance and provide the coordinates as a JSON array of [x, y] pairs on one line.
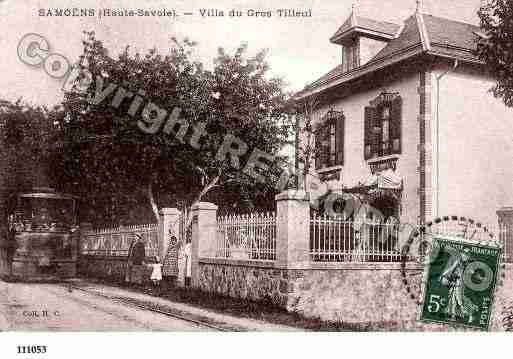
[[31, 349]]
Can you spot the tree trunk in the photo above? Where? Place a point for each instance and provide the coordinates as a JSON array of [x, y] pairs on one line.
[[198, 198], [151, 198]]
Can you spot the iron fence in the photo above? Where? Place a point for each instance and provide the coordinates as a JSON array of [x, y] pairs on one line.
[[506, 236], [117, 241], [246, 237], [334, 240]]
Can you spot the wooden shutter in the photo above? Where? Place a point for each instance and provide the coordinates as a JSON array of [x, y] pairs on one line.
[[339, 134], [318, 150], [377, 132], [395, 125], [326, 154], [321, 150], [370, 115]]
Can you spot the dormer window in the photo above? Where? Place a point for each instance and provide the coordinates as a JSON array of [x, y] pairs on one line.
[[362, 39], [350, 56]]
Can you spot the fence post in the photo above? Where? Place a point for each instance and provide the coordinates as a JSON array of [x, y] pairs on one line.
[[293, 229], [169, 221], [505, 215], [204, 231], [83, 228]]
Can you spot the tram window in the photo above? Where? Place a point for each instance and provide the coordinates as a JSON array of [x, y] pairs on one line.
[[44, 213]]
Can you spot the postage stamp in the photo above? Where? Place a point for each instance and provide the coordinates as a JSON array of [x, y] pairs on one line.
[[460, 281]]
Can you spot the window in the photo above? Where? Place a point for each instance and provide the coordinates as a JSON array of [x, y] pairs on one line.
[[333, 143], [329, 140], [350, 56], [383, 126]]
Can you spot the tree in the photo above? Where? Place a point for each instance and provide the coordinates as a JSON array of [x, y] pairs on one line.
[[496, 45], [306, 131], [29, 138], [118, 151]]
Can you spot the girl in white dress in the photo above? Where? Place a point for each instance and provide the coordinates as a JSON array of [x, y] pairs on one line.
[[156, 274]]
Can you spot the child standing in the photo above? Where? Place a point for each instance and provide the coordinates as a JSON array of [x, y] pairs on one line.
[[156, 274]]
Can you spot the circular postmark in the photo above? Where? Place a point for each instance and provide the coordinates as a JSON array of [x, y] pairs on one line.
[[419, 249], [507, 317]]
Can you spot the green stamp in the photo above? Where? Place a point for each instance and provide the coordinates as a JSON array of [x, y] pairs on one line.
[[460, 283]]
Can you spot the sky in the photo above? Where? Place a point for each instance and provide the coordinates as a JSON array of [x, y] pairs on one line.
[[298, 48]]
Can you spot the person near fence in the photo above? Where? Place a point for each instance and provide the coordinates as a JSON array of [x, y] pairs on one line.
[[156, 273], [186, 253], [135, 262], [170, 265]]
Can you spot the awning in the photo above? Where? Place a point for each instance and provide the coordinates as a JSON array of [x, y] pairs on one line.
[[387, 182], [384, 180]]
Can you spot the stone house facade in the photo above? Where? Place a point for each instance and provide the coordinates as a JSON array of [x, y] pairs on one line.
[[411, 122]]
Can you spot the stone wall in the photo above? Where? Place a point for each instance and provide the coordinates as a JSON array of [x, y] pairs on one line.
[[503, 300], [357, 294], [240, 279], [5, 265], [104, 267], [361, 295], [371, 295]]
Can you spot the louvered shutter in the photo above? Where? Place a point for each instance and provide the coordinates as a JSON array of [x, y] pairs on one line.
[[377, 133], [340, 128], [368, 147], [318, 150], [395, 125], [325, 159]]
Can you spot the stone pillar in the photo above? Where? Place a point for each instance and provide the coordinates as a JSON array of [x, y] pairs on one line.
[[204, 231], [83, 228], [505, 215], [293, 230], [82, 265], [169, 221]]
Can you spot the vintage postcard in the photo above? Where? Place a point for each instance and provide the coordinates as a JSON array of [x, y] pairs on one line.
[[288, 166]]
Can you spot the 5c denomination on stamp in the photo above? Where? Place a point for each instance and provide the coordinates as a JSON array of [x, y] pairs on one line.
[[460, 281]]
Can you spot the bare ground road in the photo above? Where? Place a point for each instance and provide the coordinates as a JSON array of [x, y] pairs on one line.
[[36, 307]]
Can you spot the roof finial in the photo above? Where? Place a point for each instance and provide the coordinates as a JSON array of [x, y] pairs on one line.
[[420, 6], [354, 8]]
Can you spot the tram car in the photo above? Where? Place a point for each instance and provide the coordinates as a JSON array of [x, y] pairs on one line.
[[42, 240]]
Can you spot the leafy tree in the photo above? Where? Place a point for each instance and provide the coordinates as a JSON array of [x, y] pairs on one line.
[[29, 139], [496, 45], [307, 129], [118, 151]]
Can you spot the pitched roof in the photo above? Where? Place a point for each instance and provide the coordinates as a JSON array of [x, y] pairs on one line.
[[356, 23], [421, 34], [409, 37], [452, 38]]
